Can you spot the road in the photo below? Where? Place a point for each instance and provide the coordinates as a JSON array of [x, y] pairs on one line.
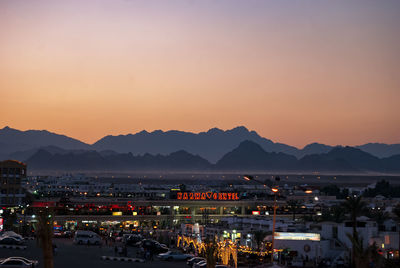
[[76, 256]]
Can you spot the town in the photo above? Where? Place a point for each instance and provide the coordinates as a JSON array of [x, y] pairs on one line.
[[252, 220]]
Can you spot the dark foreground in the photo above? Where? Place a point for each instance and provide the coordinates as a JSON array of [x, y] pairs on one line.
[[76, 256]]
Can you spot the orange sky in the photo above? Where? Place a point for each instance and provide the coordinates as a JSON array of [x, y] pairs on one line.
[[294, 71]]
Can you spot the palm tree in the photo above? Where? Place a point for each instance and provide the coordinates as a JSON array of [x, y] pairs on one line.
[[396, 211], [211, 252], [259, 237], [379, 216], [355, 206], [363, 256], [44, 234], [293, 205], [338, 214]]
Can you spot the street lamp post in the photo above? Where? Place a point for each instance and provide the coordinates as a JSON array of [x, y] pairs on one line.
[[275, 190]]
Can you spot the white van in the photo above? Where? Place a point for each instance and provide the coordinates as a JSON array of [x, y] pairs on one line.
[[87, 238]]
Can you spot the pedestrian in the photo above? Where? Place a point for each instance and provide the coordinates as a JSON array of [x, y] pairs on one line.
[[55, 249], [115, 250]]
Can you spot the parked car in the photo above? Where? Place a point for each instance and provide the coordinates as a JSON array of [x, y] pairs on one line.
[[153, 246], [133, 239], [87, 238], [200, 264], [57, 234], [67, 234], [10, 241], [62, 234], [194, 260], [33, 262], [15, 263], [174, 255], [12, 234]]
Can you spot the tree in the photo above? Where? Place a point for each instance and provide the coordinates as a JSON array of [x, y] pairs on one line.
[[338, 214], [363, 256], [354, 206], [334, 213], [396, 211], [383, 188], [211, 252], [379, 216], [259, 237], [293, 205], [44, 234]]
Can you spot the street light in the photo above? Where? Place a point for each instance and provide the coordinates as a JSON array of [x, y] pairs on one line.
[[275, 190]]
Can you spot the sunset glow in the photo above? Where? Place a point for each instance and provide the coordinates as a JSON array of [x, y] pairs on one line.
[[325, 71]]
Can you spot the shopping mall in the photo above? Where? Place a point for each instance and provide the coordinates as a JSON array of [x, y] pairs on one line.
[[129, 214]]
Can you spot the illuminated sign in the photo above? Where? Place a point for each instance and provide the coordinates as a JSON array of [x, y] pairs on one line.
[[1, 224], [207, 196], [117, 213], [37, 204], [255, 212], [297, 236]]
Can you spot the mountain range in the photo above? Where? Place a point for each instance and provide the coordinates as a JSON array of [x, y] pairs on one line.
[[247, 156], [177, 149]]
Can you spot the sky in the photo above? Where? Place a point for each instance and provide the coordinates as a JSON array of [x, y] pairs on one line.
[[294, 71]]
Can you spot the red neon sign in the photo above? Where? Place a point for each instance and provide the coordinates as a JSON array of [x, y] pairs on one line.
[[207, 196], [38, 204]]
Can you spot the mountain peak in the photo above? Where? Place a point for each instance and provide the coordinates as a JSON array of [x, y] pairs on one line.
[[215, 130], [239, 129]]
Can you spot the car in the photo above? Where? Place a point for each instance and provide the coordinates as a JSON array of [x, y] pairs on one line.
[[57, 234], [194, 260], [10, 241], [200, 264], [33, 262], [67, 234], [12, 234], [15, 263], [174, 255], [153, 246], [132, 240], [87, 238], [62, 234]]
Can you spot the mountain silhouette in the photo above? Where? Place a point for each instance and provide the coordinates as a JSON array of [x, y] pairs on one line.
[[380, 149], [13, 140], [341, 159], [210, 145], [92, 160], [246, 157], [314, 148], [250, 155]]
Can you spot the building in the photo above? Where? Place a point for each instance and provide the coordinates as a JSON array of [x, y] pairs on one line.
[[11, 174]]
